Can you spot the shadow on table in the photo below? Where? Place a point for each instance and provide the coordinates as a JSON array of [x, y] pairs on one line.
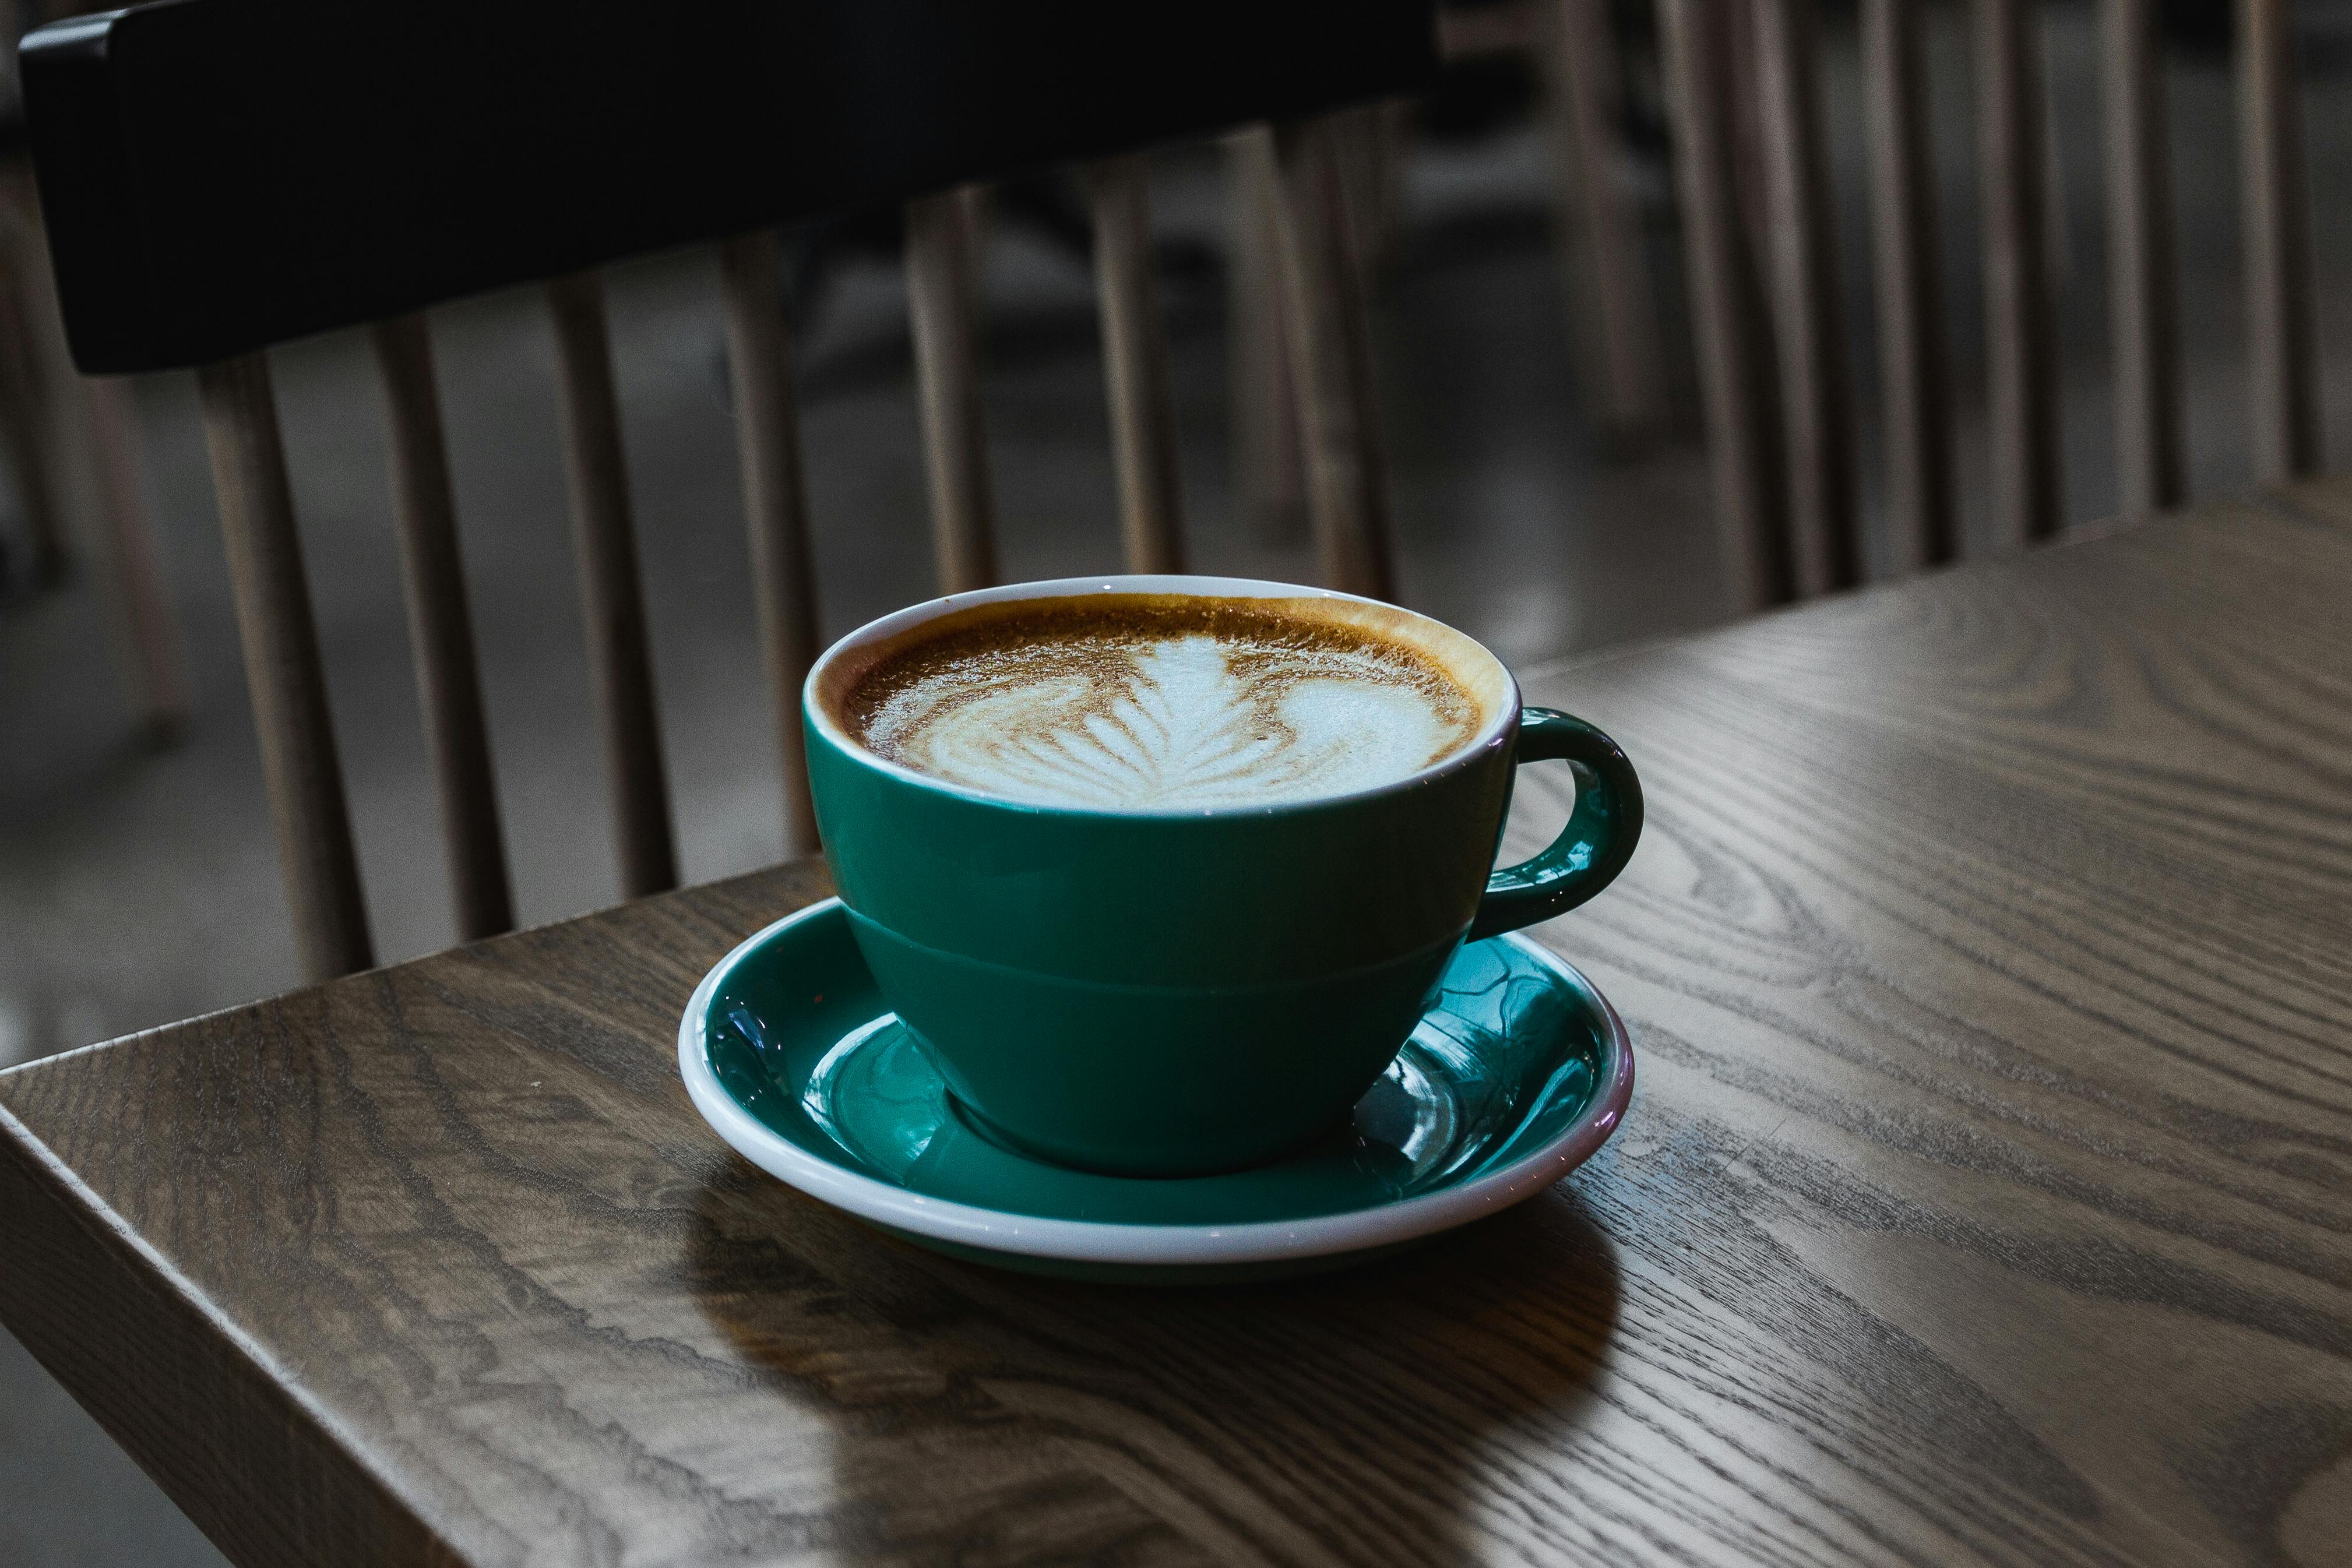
[[1384, 1414]]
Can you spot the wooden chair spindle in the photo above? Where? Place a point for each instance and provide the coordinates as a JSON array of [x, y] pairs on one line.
[[604, 540], [2284, 355], [2141, 286], [1339, 417], [1816, 398], [1268, 464], [1914, 354], [282, 670], [1134, 364], [2021, 320], [441, 628], [942, 292], [1743, 446], [776, 504]]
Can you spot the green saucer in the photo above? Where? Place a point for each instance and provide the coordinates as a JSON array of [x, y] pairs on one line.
[[1518, 1074]]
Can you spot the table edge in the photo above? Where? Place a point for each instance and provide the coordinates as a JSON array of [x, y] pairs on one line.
[[73, 1259]]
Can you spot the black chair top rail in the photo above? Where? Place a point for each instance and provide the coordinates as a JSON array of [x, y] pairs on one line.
[[220, 176]]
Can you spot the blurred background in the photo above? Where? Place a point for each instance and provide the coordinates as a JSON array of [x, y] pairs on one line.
[[137, 878]]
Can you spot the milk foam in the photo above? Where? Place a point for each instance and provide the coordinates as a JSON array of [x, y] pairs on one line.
[[1171, 722]]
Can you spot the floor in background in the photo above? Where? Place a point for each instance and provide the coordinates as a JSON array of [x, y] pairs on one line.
[[139, 886]]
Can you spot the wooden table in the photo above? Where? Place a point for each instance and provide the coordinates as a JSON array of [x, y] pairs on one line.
[[1985, 1196]]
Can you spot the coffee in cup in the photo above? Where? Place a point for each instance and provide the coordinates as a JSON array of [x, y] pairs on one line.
[[1163, 702], [1160, 872]]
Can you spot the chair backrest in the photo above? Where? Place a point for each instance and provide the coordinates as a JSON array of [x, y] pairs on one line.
[[1752, 185], [222, 176]]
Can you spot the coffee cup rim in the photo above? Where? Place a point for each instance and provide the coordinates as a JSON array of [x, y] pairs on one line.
[[1494, 731]]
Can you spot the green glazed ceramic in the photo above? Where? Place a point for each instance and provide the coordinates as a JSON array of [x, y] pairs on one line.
[[1517, 1074], [1094, 982]]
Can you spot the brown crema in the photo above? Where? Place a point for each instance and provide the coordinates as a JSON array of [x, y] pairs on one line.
[[1143, 700]]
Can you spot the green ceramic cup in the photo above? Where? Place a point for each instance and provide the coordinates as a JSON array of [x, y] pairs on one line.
[[1179, 992]]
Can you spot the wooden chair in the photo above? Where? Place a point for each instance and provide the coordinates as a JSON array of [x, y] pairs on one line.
[[222, 176], [1763, 292]]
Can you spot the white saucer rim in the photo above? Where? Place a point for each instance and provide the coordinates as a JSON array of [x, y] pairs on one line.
[[1100, 1241]]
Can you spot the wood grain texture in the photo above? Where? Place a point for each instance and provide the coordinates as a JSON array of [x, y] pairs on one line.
[[1743, 438], [2282, 354], [282, 672], [604, 547], [2021, 320], [943, 302], [775, 504], [1913, 351], [1816, 397], [441, 628], [1986, 1197], [1332, 372], [1135, 366], [2143, 286]]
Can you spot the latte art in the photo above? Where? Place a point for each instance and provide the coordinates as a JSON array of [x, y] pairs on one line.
[[1239, 709]]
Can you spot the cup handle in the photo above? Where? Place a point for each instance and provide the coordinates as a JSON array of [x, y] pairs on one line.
[[1594, 846]]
